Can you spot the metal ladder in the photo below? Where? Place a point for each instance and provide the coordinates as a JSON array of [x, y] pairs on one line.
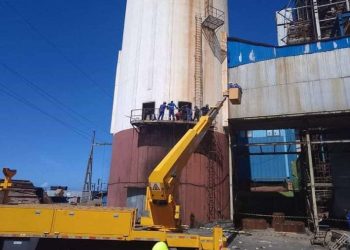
[[198, 74], [215, 160], [212, 154]]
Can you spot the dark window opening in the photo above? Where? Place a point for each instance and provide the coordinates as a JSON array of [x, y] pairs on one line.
[[181, 104], [148, 111], [184, 114]]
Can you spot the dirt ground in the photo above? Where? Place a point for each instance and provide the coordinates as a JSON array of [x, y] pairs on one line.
[[271, 240]]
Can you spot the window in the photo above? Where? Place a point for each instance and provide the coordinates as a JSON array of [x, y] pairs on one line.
[[181, 104], [249, 133], [276, 132], [148, 110]]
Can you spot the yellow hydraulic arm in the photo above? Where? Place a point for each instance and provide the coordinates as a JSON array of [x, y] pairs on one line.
[[119, 224], [163, 212]]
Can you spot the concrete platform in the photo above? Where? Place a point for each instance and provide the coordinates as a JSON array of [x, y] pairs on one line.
[[271, 240]]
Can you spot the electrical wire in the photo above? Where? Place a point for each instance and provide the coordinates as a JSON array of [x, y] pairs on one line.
[[58, 50], [72, 113], [10, 93]]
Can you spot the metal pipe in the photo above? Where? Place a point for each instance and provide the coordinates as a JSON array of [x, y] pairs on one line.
[[329, 4], [328, 19], [230, 176], [347, 5], [323, 154], [289, 143], [330, 142], [317, 20], [312, 181], [271, 153]]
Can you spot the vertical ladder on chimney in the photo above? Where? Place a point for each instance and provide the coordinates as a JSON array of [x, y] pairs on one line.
[[215, 161], [198, 64], [211, 178]]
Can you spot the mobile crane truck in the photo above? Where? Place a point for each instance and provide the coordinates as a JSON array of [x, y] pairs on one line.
[[32, 224]]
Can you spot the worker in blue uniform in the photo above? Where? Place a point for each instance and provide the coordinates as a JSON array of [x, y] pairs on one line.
[[189, 113], [197, 113], [205, 109], [184, 112], [171, 107], [161, 111]]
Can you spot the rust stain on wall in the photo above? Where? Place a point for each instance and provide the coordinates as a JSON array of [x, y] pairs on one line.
[[135, 155]]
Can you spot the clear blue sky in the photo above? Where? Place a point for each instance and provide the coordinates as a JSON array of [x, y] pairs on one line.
[[57, 71]]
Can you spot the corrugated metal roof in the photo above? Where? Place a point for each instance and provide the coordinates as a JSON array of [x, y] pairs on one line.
[[243, 52]]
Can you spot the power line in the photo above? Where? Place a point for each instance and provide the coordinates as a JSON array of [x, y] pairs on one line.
[[44, 93], [58, 50], [50, 97], [19, 98]]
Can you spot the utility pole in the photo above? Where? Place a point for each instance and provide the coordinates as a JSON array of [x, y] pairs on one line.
[[87, 191]]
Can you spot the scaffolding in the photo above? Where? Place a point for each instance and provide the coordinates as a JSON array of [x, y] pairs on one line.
[[316, 149], [317, 178], [323, 176], [311, 20]]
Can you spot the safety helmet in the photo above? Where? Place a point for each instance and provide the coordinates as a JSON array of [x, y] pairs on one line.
[[160, 246]]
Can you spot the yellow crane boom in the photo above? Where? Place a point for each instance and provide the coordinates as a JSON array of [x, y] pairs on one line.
[[120, 224], [160, 203]]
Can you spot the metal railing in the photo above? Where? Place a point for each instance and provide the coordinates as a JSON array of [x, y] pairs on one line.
[[214, 18], [214, 12], [153, 114]]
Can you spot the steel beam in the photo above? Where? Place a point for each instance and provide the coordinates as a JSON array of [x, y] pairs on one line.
[[230, 177], [289, 143], [312, 181], [317, 19]]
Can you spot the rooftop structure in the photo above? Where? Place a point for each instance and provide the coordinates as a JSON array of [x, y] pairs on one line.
[[311, 20]]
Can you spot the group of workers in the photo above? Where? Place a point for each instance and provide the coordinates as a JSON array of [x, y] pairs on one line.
[[184, 113]]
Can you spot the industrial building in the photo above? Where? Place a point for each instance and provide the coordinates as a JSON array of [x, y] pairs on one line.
[[303, 87], [286, 146], [267, 144]]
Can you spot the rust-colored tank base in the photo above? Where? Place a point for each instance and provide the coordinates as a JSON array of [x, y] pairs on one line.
[[202, 199]]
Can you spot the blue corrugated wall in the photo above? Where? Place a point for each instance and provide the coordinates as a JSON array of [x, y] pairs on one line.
[[242, 52], [266, 168]]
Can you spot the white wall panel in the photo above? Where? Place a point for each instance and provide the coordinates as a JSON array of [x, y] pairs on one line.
[[158, 57], [294, 85]]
